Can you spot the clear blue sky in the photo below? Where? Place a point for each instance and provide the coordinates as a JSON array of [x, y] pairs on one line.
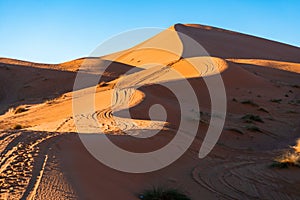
[[56, 31]]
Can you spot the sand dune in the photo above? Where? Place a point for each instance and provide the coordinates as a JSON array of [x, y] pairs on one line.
[[228, 44], [163, 48], [45, 158], [286, 66]]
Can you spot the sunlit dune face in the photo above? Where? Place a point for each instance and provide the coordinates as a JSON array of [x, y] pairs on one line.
[[200, 66], [145, 56], [194, 67], [286, 66], [160, 49], [200, 26]]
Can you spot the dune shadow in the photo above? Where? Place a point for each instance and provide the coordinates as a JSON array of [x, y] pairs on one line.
[[279, 76], [23, 84]]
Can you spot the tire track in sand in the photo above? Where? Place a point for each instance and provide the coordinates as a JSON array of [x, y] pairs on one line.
[[125, 92], [245, 177], [20, 162]]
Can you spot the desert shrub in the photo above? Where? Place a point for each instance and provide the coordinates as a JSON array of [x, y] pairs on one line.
[[249, 102], [20, 110], [292, 102], [292, 111], [286, 160], [18, 126], [103, 84], [251, 117], [49, 101], [11, 110], [235, 130], [289, 158], [204, 121], [263, 110], [276, 100], [297, 146], [279, 165], [234, 99], [253, 128], [159, 193]]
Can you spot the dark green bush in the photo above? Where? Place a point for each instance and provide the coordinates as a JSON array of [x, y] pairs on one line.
[[20, 110], [18, 126], [253, 128], [276, 100], [251, 117], [249, 102], [159, 193]]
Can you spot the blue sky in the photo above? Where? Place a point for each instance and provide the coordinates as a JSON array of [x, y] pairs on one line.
[[56, 31]]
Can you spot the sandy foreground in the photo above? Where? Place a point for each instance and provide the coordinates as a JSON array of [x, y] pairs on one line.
[[42, 156]]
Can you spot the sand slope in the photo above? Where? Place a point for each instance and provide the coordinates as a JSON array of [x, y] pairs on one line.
[[46, 159]]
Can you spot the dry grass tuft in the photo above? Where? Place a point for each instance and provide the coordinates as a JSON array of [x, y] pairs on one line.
[[20, 110], [297, 146], [290, 158], [159, 193], [18, 127], [249, 102], [250, 117]]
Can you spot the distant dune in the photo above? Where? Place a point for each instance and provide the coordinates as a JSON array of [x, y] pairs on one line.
[[42, 156]]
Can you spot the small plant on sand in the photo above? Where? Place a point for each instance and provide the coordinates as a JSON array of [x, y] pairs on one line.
[[279, 165], [18, 126], [296, 86], [291, 112], [253, 128], [20, 110], [276, 100], [237, 130], [103, 84], [159, 193], [249, 102], [288, 159], [294, 102], [263, 109], [250, 118], [49, 101]]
